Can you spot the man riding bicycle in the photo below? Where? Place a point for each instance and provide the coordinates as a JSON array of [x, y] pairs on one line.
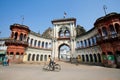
[[52, 66], [51, 62]]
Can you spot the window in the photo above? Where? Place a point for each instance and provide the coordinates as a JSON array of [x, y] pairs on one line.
[[105, 33], [31, 42], [21, 37], [16, 35], [17, 55], [117, 27], [35, 43], [42, 44], [29, 55], [112, 31], [46, 45], [39, 43]]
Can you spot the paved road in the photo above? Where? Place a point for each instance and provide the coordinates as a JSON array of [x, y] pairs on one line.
[[68, 72]]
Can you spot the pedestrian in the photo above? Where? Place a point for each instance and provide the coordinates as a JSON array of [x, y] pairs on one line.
[[5, 61]]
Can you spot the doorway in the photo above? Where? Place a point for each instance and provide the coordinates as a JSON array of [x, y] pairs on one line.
[[64, 52]]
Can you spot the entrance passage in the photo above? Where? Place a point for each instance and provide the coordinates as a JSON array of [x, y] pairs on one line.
[[64, 53]]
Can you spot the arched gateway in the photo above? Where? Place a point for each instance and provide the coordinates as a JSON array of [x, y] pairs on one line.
[[64, 33]]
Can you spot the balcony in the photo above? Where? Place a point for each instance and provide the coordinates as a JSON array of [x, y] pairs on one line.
[[16, 42], [63, 38], [109, 38]]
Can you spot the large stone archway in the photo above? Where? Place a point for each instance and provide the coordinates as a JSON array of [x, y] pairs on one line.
[[64, 33], [64, 52]]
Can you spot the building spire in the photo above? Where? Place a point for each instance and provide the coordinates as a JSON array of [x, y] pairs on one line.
[[105, 8]]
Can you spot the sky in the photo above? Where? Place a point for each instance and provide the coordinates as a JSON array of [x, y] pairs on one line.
[[38, 14]]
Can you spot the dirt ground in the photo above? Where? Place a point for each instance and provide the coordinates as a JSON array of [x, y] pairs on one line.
[[68, 72]]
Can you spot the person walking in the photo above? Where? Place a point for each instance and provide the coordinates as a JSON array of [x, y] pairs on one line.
[[5, 59]]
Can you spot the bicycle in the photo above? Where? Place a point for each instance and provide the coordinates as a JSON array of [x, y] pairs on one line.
[[54, 67]]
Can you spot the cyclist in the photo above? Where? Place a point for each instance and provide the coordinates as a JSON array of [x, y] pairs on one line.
[[51, 62]]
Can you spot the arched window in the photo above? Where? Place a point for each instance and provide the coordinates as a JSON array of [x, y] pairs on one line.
[[110, 53], [77, 44], [64, 32], [46, 45], [11, 55], [61, 34], [45, 57], [29, 56], [39, 43], [112, 31], [87, 58], [95, 39], [117, 27], [37, 57], [24, 37], [35, 43], [67, 33], [42, 44], [81, 43], [16, 35], [31, 42], [28, 40], [89, 42], [105, 33], [99, 57], [12, 35], [50, 45], [83, 58], [33, 57], [41, 58], [21, 37], [17, 55], [100, 32], [95, 57], [85, 43], [91, 58], [93, 42]]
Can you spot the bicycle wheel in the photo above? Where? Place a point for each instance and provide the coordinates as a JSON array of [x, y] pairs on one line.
[[57, 67], [45, 68]]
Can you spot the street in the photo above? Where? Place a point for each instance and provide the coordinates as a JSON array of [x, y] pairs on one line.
[[68, 72]]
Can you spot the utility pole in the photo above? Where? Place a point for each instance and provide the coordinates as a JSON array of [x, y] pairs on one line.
[[22, 20]]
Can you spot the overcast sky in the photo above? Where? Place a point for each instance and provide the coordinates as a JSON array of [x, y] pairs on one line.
[[39, 13]]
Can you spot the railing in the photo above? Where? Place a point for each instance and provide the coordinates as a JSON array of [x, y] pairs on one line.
[[108, 38], [16, 42], [63, 38]]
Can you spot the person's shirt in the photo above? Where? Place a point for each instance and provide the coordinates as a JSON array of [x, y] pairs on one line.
[[51, 59]]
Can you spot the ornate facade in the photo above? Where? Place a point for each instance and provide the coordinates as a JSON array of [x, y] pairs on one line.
[[100, 45], [17, 43], [64, 33], [109, 38]]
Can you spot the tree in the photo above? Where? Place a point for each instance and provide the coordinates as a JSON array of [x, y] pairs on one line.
[[80, 30]]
